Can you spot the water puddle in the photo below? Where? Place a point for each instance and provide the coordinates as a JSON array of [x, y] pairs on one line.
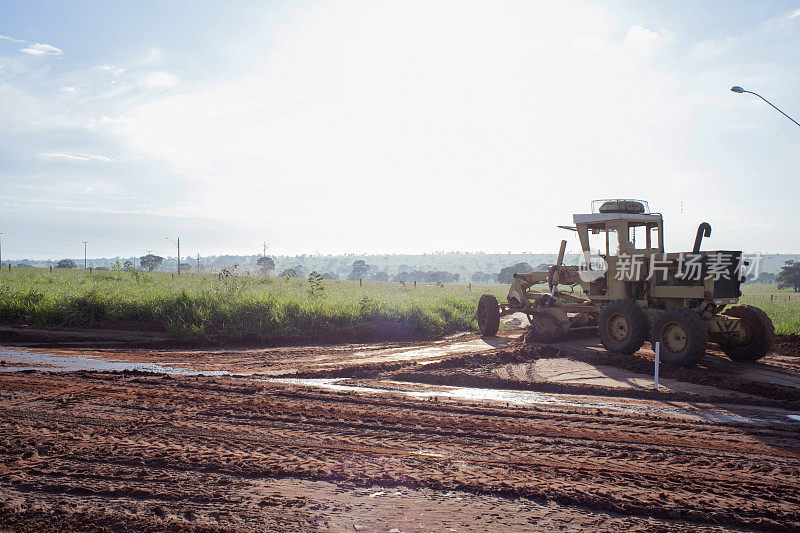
[[20, 360], [438, 348], [523, 398]]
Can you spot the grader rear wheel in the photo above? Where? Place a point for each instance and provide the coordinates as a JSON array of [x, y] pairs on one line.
[[682, 335], [759, 334], [488, 315]]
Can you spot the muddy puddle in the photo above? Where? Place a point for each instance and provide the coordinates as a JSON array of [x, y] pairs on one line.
[[15, 360], [717, 413], [20, 360]]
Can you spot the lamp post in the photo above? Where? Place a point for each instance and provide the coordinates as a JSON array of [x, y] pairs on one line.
[[738, 89]]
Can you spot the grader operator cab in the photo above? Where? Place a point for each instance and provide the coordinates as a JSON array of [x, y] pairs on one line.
[[633, 291]]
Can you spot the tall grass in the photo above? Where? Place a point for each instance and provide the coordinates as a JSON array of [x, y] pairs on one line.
[[239, 306], [257, 308]]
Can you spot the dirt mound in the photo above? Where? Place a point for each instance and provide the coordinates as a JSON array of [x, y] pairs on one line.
[[788, 344], [713, 370]]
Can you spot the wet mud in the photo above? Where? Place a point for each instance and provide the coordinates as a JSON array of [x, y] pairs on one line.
[[465, 433]]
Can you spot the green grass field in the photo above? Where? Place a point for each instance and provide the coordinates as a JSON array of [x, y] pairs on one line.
[[256, 308], [239, 307], [782, 306]]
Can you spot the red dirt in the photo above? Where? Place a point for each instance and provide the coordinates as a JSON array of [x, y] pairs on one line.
[[136, 451]]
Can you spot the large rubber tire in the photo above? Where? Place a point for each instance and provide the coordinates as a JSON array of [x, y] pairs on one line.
[[682, 334], [622, 327], [488, 315], [760, 334]]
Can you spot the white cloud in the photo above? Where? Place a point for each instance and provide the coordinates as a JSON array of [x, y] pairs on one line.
[[7, 38], [39, 49], [794, 14], [69, 90], [157, 79], [78, 157], [644, 41], [111, 68]]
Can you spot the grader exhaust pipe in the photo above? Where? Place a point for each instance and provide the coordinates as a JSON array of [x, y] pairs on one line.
[[703, 229]]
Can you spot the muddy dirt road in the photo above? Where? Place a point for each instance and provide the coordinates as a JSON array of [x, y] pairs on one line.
[[461, 434]]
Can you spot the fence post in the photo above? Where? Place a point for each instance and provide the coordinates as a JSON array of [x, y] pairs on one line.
[[770, 297], [51, 269], [415, 284], [655, 373], [470, 286], [360, 282]]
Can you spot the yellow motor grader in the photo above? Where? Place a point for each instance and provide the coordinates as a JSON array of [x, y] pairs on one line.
[[634, 291]]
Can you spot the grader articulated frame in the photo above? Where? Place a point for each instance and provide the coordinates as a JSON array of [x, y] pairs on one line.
[[553, 314]]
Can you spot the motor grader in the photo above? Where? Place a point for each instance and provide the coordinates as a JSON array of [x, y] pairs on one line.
[[634, 291]]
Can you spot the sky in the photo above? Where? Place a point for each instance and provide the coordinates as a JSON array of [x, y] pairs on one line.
[[391, 127]]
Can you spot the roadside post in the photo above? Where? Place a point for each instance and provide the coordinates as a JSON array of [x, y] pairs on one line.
[[655, 373]]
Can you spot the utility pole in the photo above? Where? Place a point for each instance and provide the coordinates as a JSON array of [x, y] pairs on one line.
[[265, 249], [179, 252], [198, 263], [84, 254]]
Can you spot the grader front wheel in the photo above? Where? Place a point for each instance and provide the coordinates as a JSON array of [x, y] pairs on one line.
[[622, 327], [488, 315]]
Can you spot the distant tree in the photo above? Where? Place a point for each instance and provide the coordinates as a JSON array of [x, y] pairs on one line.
[[402, 277], [506, 274], [360, 269], [330, 275], [380, 276], [66, 263], [266, 264], [789, 276], [483, 277], [441, 277], [127, 266], [764, 278], [186, 267], [151, 262], [542, 267], [289, 273]]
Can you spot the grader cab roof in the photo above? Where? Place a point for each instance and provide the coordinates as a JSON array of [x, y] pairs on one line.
[[622, 209]]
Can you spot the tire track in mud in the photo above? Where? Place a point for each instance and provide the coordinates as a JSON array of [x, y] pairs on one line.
[[638, 466]]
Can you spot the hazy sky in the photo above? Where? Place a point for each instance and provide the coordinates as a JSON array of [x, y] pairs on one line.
[[402, 126]]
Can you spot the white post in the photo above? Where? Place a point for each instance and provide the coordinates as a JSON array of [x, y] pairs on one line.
[[655, 374]]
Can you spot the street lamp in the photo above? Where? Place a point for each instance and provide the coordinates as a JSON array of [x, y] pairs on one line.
[[738, 89]]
